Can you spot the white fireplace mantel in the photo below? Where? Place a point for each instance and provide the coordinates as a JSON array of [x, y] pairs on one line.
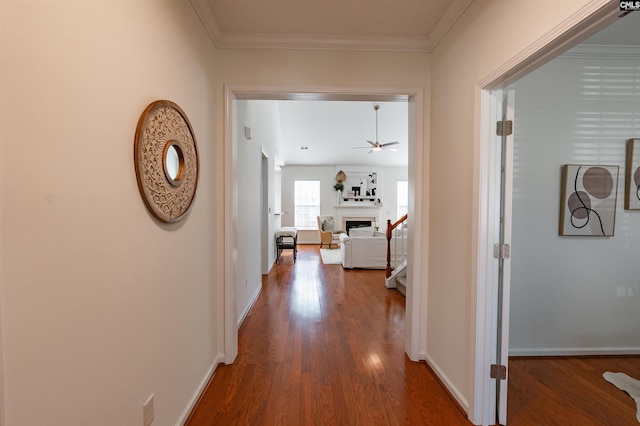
[[358, 212]]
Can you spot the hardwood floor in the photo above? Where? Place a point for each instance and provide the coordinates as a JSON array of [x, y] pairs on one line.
[[569, 391], [324, 346]]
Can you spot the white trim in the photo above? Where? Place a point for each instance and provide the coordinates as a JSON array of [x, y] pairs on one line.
[[417, 242], [322, 42], [230, 226], [542, 352], [486, 208], [448, 383], [199, 390], [415, 337], [208, 19], [601, 51], [447, 21], [508, 114], [254, 297]]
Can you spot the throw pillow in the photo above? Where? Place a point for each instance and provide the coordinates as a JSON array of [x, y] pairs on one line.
[[329, 225]]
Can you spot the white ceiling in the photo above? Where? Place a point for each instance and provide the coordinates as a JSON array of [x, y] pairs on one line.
[[331, 130]]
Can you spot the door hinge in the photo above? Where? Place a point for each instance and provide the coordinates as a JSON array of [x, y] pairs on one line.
[[498, 372], [501, 251], [504, 128]]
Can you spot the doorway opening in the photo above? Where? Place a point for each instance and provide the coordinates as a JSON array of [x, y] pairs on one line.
[[414, 338], [492, 194]]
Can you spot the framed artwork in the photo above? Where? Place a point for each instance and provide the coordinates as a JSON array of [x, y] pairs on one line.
[[632, 176], [361, 186], [588, 200]]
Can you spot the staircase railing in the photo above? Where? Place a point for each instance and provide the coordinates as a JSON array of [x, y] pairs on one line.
[[399, 240]]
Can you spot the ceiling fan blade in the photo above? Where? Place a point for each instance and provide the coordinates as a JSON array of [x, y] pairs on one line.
[[361, 147], [373, 144], [390, 143], [389, 149]]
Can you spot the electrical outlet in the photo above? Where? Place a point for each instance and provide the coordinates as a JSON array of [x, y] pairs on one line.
[[147, 411]]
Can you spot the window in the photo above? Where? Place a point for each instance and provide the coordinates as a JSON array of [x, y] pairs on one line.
[[307, 201], [402, 197]]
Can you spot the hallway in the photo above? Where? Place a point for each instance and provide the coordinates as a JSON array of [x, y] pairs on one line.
[[323, 346]]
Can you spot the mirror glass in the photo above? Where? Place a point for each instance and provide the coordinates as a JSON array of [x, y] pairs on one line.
[[173, 163]]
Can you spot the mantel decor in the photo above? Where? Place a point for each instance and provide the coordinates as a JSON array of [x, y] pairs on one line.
[[166, 161]]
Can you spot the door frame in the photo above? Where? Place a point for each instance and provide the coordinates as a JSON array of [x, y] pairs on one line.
[[590, 19], [415, 326], [265, 214]]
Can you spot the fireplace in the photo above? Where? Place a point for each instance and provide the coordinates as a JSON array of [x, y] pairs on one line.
[[348, 224], [363, 216]]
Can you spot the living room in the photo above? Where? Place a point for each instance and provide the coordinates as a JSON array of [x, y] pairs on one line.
[[281, 142]]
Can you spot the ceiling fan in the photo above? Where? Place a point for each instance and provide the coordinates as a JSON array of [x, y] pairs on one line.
[[377, 146]]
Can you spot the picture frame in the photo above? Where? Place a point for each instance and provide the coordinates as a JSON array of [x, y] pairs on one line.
[[588, 200], [632, 176]]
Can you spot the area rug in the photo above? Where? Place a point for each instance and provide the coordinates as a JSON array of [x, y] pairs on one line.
[[330, 257], [627, 384]]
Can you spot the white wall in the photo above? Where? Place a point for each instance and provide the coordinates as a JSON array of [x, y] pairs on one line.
[[573, 294], [488, 35], [327, 177], [101, 305], [389, 209], [262, 118]]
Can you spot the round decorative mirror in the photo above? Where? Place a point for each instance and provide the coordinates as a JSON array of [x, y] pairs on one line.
[[166, 160]]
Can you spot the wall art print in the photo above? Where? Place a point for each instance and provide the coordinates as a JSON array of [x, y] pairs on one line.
[[588, 200], [632, 176]]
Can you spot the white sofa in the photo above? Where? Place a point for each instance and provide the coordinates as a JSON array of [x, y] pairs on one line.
[[367, 249]]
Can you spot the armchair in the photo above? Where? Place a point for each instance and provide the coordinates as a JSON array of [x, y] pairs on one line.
[[327, 231]]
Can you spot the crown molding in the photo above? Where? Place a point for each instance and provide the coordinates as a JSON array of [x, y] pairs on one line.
[[602, 51], [448, 20], [208, 20], [322, 42], [426, 44]]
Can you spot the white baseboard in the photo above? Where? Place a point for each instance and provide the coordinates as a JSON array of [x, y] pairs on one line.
[[572, 351], [457, 395], [254, 297], [201, 387]]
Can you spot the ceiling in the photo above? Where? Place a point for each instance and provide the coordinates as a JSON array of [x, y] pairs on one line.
[[336, 132], [331, 129], [400, 25]]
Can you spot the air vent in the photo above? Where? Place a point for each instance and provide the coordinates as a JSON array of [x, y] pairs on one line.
[[304, 148]]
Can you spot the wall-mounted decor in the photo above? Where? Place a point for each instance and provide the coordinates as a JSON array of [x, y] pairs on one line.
[[632, 176], [588, 200], [166, 161], [361, 187]]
